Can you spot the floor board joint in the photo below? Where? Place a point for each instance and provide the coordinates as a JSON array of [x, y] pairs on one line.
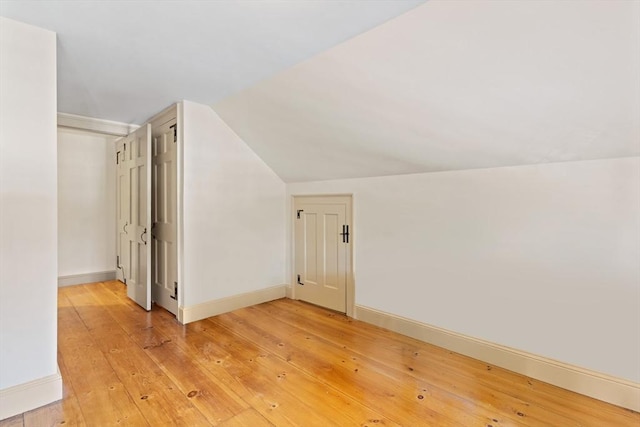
[[281, 363]]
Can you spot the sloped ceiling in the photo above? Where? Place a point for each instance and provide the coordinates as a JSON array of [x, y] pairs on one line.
[[127, 60], [454, 85], [447, 85]]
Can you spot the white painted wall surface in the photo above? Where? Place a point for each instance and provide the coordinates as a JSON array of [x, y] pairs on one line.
[[86, 202], [234, 213], [28, 204], [541, 258]]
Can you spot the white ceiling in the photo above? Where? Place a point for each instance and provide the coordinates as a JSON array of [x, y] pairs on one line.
[[454, 85], [127, 60], [448, 85]]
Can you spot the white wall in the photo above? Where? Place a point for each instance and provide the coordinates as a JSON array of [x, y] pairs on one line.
[[541, 258], [86, 202], [28, 204], [234, 213]]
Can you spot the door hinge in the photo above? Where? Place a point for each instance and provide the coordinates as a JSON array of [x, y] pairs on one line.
[[118, 261], [123, 152], [175, 291], [298, 213], [175, 132], [345, 234], [299, 282]]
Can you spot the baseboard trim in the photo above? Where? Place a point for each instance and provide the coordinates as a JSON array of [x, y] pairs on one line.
[[594, 384], [225, 305], [30, 395], [106, 127], [80, 279]]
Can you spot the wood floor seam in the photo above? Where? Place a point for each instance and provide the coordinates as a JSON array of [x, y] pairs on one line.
[[280, 364]]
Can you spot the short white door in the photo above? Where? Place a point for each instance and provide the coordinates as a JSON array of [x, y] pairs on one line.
[[164, 213], [134, 214], [322, 250]]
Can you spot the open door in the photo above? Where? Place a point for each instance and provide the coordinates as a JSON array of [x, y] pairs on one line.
[[123, 213], [134, 214], [164, 233]]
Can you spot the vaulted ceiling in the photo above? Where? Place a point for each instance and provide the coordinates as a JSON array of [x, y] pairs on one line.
[[454, 85], [127, 60], [447, 85]]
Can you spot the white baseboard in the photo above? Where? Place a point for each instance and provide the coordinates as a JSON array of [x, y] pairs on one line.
[[584, 381], [81, 279], [31, 395], [225, 305]]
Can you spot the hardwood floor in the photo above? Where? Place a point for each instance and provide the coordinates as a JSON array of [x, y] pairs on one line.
[[283, 363]]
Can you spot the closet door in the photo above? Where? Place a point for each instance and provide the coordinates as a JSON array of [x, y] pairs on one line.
[[134, 214], [123, 212], [322, 250], [164, 216]]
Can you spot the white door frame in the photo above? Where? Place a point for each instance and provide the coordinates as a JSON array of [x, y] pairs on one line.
[[350, 303]]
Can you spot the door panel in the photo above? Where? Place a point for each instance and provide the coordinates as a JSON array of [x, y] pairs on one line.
[[310, 245], [164, 213], [333, 268], [134, 214], [322, 253]]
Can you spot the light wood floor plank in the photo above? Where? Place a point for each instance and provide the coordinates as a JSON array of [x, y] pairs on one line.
[[248, 418], [205, 392], [417, 360], [103, 399], [15, 421], [282, 363], [155, 394], [258, 386], [406, 403], [512, 393], [377, 352], [233, 352]]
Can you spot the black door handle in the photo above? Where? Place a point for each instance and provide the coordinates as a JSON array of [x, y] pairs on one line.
[[345, 234]]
